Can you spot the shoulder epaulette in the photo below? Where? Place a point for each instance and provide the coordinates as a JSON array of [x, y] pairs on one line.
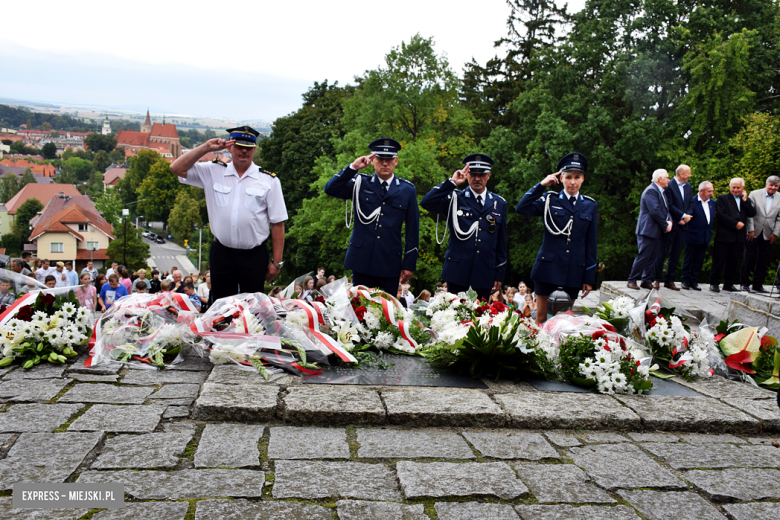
[[406, 181], [217, 161], [272, 174], [589, 198], [500, 197]]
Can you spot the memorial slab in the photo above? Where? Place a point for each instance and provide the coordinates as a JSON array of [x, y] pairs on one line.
[[151, 450], [765, 410], [512, 445], [105, 393], [736, 484], [45, 457], [149, 510], [613, 466], [161, 377], [446, 479], [661, 505], [189, 483], [313, 480], [229, 445], [292, 442], [755, 511], [566, 512], [240, 403], [554, 483], [333, 406], [394, 444], [567, 411], [719, 387], [177, 391], [119, 419], [438, 407], [682, 456], [244, 509], [9, 512], [361, 510], [472, 510], [32, 390], [660, 387], [36, 417], [691, 414]]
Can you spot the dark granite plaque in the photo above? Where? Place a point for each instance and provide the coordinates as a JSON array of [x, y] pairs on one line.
[[406, 371], [660, 387]]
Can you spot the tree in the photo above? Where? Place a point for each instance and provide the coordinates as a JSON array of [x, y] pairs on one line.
[[55, 134], [184, 216], [132, 253], [81, 169], [98, 142], [46, 126], [118, 155], [110, 206], [140, 165], [158, 192], [101, 161], [9, 186], [49, 151], [24, 213], [27, 178]]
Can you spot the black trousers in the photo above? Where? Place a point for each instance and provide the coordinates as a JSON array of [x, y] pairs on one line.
[[481, 292], [387, 284], [693, 262], [673, 246], [728, 255], [756, 259], [236, 270], [645, 266]]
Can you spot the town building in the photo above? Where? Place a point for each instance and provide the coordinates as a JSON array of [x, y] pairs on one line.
[[106, 127], [114, 174], [160, 137]]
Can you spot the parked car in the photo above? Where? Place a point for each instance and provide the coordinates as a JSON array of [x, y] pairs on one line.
[[146, 234], [160, 240]]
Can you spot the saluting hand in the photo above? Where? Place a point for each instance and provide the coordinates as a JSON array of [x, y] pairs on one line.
[[362, 161], [216, 144], [552, 179], [460, 175]]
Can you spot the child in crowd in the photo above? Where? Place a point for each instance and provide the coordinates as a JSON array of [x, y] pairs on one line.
[[50, 281], [154, 283], [165, 285], [85, 293], [189, 290], [111, 292], [140, 287], [6, 296]]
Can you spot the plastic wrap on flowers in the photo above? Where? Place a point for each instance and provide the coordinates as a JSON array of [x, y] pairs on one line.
[[751, 355], [615, 311], [145, 329]]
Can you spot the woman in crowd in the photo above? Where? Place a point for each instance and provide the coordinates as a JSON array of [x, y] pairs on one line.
[[331, 278], [124, 279], [100, 279], [425, 296], [496, 296], [308, 289], [322, 282], [86, 294]]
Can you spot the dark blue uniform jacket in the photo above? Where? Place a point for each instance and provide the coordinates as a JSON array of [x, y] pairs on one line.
[[480, 260], [376, 249], [562, 262]]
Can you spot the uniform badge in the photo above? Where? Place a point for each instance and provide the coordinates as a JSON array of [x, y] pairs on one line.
[[491, 220], [460, 212]]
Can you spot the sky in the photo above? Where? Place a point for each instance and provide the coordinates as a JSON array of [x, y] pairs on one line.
[[250, 60]]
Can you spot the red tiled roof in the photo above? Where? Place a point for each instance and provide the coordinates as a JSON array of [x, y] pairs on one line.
[[160, 130], [74, 214], [42, 192], [86, 254], [113, 175], [130, 138], [57, 204]]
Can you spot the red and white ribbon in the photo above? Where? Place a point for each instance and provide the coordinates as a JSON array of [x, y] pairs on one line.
[[314, 329]]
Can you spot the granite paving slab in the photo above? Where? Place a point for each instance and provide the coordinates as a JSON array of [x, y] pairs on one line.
[[45, 457], [293, 442], [333, 405], [42, 371], [188, 483], [395, 444], [736, 484], [442, 407], [93, 378], [681, 456], [119, 419], [160, 377], [563, 439], [177, 391], [312, 480], [614, 466], [447, 479], [148, 510], [6, 370], [474, 510], [566, 512], [543, 410], [764, 410], [661, 505], [755, 511], [150, 450], [233, 375], [229, 445], [9, 512], [36, 417], [699, 438], [720, 387], [176, 412], [105, 393], [553, 483], [653, 437], [362, 509], [194, 363], [4, 439], [604, 438], [691, 414], [512, 445], [240, 403], [172, 402], [32, 390], [100, 370], [179, 427], [764, 441], [244, 510]]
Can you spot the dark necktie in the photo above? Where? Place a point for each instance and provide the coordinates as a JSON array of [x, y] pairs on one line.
[[479, 200], [384, 186], [572, 200]]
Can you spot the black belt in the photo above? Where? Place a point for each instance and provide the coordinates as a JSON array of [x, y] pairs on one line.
[[238, 251]]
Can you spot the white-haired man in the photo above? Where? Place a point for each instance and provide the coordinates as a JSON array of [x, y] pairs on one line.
[[654, 221], [762, 231], [733, 209], [698, 234]]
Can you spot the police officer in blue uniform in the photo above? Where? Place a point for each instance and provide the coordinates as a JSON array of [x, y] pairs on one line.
[[476, 220], [382, 204], [568, 255]]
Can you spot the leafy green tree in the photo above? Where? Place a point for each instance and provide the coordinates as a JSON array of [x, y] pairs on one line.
[[117, 155], [67, 154], [140, 165], [158, 192], [101, 161], [98, 142], [49, 151], [81, 169], [55, 134], [9, 186], [27, 178], [26, 211], [184, 216], [133, 252], [110, 206], [46, 126]]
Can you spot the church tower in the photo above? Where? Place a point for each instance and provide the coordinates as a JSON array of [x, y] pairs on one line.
[[147, 126], [106, 127]]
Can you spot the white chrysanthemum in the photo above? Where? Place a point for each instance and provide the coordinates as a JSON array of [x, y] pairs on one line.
[[296, 318], [384, 340], [371, 320], [403, 345]]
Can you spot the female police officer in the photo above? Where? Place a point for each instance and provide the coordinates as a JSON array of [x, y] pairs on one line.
[[567, 257]]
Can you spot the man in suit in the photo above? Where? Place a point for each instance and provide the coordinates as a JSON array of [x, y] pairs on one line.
[[762, 231], [382, 204], [698, 233], [678, 196], [733, 210], [654, 221]]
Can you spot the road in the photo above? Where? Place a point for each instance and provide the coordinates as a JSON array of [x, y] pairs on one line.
[[165, 256]]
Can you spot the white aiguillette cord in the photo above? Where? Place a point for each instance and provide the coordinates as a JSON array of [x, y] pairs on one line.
[[459, 233], [365, 220], [556, 231]]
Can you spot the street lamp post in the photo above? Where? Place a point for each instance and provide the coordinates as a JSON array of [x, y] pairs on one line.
[[126, 213]]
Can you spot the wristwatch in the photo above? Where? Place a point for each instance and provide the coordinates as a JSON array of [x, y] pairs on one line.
[[278, 265]]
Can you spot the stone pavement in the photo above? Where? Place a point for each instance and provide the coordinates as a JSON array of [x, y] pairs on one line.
[[202, 442]]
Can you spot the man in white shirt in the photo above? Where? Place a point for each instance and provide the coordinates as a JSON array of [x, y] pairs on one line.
[[698, 234], [60, 275], [203, 291], [245, 206], [73, 278], [112, 269], [44, 271], [762, 232], [406, 295]]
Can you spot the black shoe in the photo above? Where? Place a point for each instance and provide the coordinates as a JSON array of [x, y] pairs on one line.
[[685, 286], [730, 288], [714, 288], [696, 287], [744, 288], [760, 290]]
